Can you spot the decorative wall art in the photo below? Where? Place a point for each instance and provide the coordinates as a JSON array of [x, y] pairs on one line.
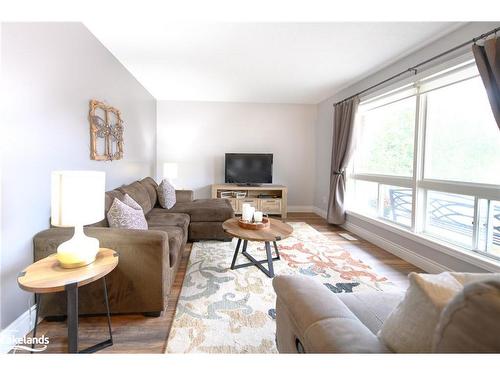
[[106, 132]]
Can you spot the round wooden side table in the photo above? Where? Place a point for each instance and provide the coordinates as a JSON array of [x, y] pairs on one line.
[[47, 276], [276, 232]]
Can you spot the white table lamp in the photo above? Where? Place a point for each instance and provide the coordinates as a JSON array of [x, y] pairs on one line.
[[77, 199], [170, 171]]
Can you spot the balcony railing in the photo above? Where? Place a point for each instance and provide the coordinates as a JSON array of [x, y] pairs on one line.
[[449, 212]]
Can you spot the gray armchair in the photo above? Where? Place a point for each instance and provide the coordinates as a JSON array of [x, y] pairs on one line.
[[311, 319]]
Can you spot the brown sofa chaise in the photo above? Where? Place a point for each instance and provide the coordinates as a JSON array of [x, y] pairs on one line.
[[149, 259]]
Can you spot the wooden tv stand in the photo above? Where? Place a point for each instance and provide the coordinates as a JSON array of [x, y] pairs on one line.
[[270, 199]]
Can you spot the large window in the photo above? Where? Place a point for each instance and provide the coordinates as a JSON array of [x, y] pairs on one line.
[[387, 143], [462, 143], [427, 159]]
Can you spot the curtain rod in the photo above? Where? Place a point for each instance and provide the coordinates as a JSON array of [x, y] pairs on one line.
[[415, 67]]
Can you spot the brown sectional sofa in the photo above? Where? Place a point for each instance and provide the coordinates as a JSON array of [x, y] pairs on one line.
[[149, 259]]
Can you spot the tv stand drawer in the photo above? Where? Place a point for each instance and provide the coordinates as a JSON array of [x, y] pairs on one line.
[[254, 202], [270, 205]]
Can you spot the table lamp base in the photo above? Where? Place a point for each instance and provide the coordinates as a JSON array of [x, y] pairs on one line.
[[79, 251]]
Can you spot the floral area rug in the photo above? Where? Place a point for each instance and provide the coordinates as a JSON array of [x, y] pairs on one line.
[[233, 311]]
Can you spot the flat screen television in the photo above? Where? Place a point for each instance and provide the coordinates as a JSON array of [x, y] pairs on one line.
[[249, 169]]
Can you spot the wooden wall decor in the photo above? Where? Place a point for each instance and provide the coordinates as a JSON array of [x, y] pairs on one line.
[[106, 132]]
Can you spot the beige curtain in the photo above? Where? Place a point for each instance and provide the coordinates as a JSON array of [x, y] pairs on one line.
[[343, 133], [488, 63]]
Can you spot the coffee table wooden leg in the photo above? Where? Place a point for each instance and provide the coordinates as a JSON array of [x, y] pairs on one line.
[[236, 254], [269, 259], [72, 300]]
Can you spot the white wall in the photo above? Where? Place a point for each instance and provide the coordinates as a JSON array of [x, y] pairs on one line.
[[50, 71], [198, 134], [325, 122]]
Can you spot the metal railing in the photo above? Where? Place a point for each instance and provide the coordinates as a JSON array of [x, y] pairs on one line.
[[453, 214]]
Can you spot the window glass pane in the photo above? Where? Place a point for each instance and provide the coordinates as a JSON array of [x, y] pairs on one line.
[[397, 204], [389, 97], [489, 227], [385, 140], [462, 138], [482, 235], [364, 197], [494, 229], [448, 76], [449, 217]]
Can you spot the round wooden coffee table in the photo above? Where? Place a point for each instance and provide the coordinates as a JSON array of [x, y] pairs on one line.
[[47, 276], [276, 232]]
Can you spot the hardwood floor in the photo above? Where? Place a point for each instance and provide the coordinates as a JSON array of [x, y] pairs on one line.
[[138, 334]]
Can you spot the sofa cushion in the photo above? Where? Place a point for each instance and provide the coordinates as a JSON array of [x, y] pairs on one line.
[[139, 194], [371, 308], [110, 197], [184, 195], [410, 326], [175, 241], [123, 215], [205, 209], [151, 187], [207, 230], [158, 217]]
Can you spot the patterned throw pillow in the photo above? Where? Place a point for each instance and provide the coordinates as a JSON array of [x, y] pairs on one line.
[[130, 202], [166, 194], [122, 215]]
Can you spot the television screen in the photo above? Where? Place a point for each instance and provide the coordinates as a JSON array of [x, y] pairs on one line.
[[249, 168]]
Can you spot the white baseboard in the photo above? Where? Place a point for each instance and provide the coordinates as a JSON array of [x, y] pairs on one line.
[[320, 212], [300, 209], [410, 256], [17, 330]]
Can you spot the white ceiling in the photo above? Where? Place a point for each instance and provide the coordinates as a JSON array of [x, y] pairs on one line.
[[260, 62]]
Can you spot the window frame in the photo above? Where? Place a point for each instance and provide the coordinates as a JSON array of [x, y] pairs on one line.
[[417, 182]]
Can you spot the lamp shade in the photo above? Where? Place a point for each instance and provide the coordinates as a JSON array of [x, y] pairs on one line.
[[170, 170], [77, 198]]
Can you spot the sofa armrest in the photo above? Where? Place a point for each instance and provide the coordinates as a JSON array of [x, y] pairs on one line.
[[184, 196], [147, 249], [311, 319], [139, 284]]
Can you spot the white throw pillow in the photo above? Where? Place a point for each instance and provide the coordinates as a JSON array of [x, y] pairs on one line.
[[410, 326], [122, 215], [166, 194]]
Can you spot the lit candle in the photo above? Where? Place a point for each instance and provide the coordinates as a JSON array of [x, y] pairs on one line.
[[257, 216]]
